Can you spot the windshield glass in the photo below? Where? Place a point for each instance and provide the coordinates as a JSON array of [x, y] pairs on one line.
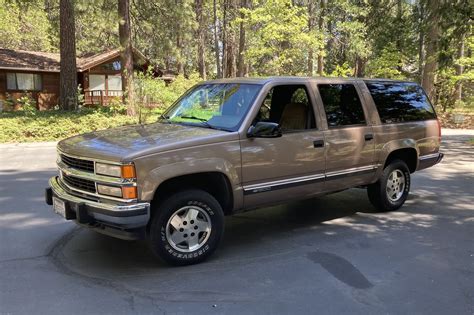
[[220, 106]]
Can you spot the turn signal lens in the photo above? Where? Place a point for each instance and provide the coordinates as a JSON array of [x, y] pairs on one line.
[[129, 192], [128, 171]]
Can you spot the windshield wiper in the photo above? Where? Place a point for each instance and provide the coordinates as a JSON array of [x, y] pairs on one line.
[[194, 117], [204, 122]]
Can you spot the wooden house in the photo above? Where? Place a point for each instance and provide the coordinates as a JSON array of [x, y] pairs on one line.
[[37, 74]]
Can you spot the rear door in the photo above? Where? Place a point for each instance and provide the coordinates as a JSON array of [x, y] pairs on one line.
[[348, 134]]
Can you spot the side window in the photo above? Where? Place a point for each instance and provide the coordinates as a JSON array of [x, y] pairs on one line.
[[400, 102], [289, 106], [342, 105]]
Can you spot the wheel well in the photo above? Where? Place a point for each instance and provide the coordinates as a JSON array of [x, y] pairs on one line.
[[215, 183], [407, 155]]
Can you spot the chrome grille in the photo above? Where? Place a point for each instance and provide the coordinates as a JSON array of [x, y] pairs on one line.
[[83, 165], [79, 183]]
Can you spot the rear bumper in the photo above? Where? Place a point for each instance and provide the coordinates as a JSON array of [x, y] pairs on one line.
[[126, 221], [429, 160]]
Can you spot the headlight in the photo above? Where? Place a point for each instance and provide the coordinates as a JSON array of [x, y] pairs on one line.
[[109, 190], [107, 169], [124, 171]]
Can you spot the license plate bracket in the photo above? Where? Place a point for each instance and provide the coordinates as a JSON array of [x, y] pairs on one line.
[[59, 206]]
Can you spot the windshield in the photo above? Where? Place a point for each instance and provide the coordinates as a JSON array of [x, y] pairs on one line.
[[219, 106]]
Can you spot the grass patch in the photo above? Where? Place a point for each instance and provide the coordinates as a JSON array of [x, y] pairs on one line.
[[56, 125]]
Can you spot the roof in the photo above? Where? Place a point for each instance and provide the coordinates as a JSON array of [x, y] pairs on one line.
[[49, 62], [294, 79]]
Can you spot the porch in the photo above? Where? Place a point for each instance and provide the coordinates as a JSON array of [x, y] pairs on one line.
[[101, 97]]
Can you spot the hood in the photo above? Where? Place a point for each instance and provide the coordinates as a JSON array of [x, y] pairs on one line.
[[126, 143]]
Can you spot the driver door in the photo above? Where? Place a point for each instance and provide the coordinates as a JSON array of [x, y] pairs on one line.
[[290, 166]]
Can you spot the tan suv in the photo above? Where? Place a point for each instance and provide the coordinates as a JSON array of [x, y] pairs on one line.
[[228, 146]]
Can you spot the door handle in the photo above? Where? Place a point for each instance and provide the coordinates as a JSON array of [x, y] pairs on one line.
[[318, 143], [368, 137]]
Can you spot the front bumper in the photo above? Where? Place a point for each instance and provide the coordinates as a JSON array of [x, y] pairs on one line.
[[126, 221]]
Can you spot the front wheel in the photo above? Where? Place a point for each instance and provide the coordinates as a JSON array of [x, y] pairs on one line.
[[186, 228], [391, 190]]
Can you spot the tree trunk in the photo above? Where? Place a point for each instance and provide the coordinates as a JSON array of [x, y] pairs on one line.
[[310, 29], [125, 36], [68, 74], [421, 40], [216, 41], [359, 69], [399, 41], [321, 29], [459, 69], [201, 34], [229, 40], [431, 63], [179, 46], [241, 60]]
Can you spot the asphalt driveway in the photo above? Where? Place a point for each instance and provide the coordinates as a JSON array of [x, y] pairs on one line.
[[326, 255]]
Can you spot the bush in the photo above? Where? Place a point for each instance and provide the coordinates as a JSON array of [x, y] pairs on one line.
[[55, 125], [152, 97]]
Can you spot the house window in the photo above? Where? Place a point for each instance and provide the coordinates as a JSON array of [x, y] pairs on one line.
[[114, 82], [96, 82], [24, 81]]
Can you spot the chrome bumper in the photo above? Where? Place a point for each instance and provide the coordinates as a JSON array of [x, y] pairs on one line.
[[84, 211]]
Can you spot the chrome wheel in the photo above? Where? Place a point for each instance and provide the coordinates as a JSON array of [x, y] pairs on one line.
[[188, 229], [395, 185]]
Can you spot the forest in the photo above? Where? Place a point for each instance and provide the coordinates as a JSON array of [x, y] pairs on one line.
[[427, 41]]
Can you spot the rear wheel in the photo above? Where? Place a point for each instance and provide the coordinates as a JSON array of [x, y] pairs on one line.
[[391, 190], [186, 228]]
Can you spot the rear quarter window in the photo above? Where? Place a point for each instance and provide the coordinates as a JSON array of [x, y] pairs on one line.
[[400, 102]]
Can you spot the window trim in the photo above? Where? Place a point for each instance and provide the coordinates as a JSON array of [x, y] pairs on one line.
[[361, 100], [311, 100], [16, 82]]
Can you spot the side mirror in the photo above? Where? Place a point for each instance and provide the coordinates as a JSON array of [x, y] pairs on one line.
[[264, 129]]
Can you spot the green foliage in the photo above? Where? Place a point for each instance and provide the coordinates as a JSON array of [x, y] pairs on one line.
[[27, 104], [343, 70], [385, 38], [56, 125], [386, 65], [280, 38], [24, 25], [157, 93]]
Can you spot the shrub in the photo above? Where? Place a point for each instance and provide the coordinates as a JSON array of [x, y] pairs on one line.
[[55, 125]]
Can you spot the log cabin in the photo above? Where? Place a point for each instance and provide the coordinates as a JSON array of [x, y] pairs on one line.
[[36, 74]]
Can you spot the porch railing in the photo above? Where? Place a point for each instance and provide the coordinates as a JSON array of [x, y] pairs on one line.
[[101, 97]]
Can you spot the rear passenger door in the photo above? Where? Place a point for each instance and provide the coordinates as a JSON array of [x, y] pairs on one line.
[[349, 140]]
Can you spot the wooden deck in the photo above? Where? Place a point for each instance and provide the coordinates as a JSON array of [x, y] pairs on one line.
[[101, 97]]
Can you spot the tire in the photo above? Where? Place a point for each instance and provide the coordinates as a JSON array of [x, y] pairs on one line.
[[391, 190], [186, 228]]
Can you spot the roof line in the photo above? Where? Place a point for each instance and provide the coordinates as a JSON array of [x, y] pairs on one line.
[[28, 69]]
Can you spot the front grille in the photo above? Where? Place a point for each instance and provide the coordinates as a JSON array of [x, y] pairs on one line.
[[79, 183], [83, 165]]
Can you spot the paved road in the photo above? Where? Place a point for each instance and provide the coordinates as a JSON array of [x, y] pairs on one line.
[[327, 255]]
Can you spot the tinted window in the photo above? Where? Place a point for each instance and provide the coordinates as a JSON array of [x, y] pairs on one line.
[[399, 102], [342, 104]]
